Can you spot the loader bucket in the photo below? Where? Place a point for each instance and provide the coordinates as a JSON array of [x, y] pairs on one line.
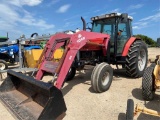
[[30, 99]]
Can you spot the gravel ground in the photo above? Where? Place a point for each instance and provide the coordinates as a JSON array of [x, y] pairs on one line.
[[83, 104]]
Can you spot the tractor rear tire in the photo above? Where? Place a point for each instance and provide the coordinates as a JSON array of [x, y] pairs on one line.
[[71, 74], [136, 60], [148, 89], [3, 65], [101, 77], [130, 109]]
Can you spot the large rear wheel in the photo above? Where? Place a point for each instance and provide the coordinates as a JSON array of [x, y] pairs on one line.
[[136, 60], [148, 89], [101, 77]]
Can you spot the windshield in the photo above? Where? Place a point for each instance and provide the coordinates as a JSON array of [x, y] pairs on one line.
[[105, 26]]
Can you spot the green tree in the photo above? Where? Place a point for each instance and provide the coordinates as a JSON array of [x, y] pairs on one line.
[[146, 39]]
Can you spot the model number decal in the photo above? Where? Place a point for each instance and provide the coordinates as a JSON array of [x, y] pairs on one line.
[[80, 38]]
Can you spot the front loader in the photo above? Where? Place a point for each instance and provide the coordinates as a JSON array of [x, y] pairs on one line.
[[29, 98], [110, 41]]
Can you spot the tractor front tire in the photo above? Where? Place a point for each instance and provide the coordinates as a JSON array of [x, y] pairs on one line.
[[71, 74], [148, 89], [130, 109], [101, 77], [136, 60], [3, 65]]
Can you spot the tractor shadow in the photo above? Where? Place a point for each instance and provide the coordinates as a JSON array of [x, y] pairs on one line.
[[85, 77], [119, 74], [152, 105], [137, 93], [121, 116], [80, 78]]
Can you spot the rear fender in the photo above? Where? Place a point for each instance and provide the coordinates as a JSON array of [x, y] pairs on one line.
[[127, 46]]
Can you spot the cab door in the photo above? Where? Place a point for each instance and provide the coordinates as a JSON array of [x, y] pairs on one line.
[[122, 36]]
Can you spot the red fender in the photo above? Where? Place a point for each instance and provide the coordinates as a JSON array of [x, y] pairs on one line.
[[127, 46]]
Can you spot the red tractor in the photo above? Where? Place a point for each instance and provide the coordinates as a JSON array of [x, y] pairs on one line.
[[110, 41], [123, 49]]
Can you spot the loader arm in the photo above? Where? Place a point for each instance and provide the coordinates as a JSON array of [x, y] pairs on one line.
[[73, 43]]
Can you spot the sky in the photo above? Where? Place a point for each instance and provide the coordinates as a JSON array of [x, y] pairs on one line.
[[19, 17]]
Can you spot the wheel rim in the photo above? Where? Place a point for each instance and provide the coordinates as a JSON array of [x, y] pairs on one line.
[[105, 79], [2, 66], [141, 60]]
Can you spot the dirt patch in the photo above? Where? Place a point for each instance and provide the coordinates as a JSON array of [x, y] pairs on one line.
[[83, 104]]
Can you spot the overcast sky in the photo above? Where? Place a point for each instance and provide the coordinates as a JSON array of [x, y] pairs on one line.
[[19, 17]]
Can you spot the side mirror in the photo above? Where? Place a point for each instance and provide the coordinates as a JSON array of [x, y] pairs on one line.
[[124, 17]]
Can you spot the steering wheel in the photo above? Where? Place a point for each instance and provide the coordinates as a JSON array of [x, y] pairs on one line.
[[123, 30], [120, 30]]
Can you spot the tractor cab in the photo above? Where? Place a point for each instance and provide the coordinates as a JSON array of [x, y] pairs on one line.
[[118, 26]]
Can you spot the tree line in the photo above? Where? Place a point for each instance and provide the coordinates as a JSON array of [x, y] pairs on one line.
[[149, 41]]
